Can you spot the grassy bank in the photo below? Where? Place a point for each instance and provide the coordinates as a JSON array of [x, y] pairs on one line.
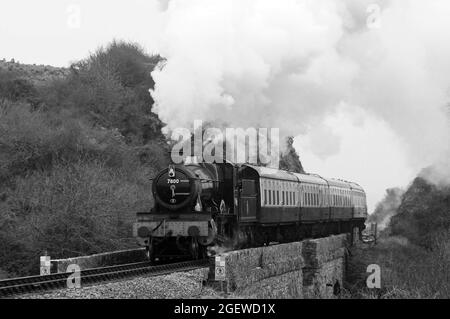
[[407, 271], [77, 152]]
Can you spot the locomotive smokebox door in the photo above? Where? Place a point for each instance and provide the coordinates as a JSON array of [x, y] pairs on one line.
[[248, 200]]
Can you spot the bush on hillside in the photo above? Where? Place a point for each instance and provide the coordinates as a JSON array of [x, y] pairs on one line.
[[76, 157], [111, 88], [408, 271], [33, 140], [423, 213], [14, 88], [74, 209]]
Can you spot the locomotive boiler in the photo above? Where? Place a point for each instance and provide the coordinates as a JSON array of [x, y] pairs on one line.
[[201, 205]]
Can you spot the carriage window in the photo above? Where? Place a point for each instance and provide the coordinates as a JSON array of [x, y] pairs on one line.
[[283, 198], [278, 197], [270, 197], [313, 197], [265, 197], [248, 187]]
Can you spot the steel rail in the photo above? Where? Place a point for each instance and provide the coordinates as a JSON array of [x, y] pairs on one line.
[[9, 287]]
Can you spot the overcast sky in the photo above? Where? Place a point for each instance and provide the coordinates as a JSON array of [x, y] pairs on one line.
[[361, 86], [57, 32]]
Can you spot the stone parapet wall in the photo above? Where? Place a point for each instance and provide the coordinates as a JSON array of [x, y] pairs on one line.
[[100, 260], [308, 269]]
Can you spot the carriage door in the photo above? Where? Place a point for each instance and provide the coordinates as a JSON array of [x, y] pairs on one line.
[[247, 205]]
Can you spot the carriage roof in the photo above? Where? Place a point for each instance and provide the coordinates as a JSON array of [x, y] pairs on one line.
[[272, 173]]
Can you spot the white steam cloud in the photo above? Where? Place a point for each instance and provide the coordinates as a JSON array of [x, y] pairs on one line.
[[291, 64]]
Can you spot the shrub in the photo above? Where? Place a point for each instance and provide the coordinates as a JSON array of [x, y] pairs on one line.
[[423, 213], [14, 88], [111, 89], [407, 270], [74, 209], [33, 140], [76, 158]]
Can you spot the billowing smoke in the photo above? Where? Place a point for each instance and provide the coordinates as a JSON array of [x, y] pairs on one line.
[[387, 208], [289, 64]]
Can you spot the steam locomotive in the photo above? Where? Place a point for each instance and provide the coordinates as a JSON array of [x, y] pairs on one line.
[[202, 206]]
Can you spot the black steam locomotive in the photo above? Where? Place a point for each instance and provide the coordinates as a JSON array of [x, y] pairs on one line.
[[201, 205]]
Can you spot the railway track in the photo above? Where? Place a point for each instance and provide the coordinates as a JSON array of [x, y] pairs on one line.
[[14, 286]]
